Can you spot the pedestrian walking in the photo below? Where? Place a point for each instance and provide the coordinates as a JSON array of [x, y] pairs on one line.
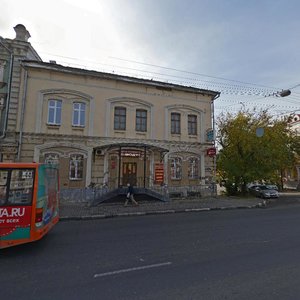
[[129, 195]]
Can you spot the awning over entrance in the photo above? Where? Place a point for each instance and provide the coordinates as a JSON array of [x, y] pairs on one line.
[[131, 150]]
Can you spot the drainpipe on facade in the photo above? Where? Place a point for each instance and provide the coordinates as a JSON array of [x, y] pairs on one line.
[[145, 160], [22, 114], [119, 175], [2, 136]]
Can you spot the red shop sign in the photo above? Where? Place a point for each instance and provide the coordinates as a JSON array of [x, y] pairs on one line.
[[159, 173], [211, 152]]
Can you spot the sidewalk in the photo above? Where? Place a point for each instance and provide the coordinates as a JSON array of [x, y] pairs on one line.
[[81, 211]]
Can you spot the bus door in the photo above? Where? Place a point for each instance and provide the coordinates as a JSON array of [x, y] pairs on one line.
[[16, 196], [47, 196]]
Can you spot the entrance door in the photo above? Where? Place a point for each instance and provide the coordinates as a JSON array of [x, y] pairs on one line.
[[129, 173]]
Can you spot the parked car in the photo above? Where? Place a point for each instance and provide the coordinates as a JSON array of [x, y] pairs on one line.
[[263, 191], [272, 186]]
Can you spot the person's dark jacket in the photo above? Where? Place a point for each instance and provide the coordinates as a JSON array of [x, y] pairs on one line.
[[130, 190]]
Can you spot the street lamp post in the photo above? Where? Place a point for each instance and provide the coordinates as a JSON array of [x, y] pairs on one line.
[[284, 93]]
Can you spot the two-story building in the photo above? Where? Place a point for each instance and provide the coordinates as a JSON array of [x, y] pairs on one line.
[[105, 128]]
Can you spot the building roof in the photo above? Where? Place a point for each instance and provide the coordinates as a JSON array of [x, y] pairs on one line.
[[53, 66]]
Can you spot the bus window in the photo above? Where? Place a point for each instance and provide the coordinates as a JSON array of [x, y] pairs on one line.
[[3, 186], [21, 187]]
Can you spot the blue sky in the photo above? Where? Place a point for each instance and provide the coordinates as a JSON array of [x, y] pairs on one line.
[[245, 49]]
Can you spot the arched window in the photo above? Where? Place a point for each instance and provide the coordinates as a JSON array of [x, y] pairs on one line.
[[141, 120], [192, 124], [54, 111], [193, 168], [78, 114], [176, 168], [175, 123], [120, 118], [76, 167]]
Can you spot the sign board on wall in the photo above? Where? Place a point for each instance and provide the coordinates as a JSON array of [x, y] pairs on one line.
[[159, 173], [209, 135], [211, 151]]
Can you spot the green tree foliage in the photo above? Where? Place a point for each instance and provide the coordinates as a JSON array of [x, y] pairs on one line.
[[244, 157]]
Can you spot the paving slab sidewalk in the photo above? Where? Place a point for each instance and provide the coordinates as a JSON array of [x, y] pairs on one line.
[[81, 211]]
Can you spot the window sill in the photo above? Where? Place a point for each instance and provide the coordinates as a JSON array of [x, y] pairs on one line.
[[78, 127], [119, 131], [53, 126]]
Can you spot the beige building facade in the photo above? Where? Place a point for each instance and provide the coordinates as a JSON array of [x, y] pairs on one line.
[[105, 129]]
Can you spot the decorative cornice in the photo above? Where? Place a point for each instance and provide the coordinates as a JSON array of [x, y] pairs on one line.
[[110, 76], [66, 91], [88, 143], [130, 99]]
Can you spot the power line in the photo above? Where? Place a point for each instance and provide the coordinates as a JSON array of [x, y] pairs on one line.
[[294, 86], [224, 88], [235, 90], [188, 72], [288, 112]]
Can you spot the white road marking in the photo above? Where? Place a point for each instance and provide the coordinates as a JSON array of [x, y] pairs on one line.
[[132, 269]]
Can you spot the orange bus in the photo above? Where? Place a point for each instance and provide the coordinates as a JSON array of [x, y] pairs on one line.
[[28, 202]]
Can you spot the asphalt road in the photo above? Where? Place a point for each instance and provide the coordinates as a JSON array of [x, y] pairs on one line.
[[234, 254]]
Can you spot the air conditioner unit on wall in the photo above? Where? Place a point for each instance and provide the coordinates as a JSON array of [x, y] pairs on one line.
[[99, 152]]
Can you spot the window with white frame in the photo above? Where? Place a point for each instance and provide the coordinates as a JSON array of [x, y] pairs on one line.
[[51, 158], [78, 114], [120, 118], [141, 120], [176, 168], [193, 168], [175, 123], [76, 167], [54, 112], [192, 124]]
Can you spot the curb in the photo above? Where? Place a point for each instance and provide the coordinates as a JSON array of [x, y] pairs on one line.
[[157, 212]]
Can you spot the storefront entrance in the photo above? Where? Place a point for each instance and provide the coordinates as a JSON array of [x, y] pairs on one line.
[[129, 173], [129, 163]]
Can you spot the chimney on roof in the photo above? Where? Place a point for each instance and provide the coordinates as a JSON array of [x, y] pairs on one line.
[[22, 33]]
